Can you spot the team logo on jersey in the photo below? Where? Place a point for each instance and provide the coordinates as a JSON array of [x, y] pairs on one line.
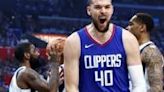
[[88, 45]]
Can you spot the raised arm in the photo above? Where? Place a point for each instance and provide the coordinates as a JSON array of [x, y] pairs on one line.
[[134, 62], [71, 63], [34, 81], [154, 61]]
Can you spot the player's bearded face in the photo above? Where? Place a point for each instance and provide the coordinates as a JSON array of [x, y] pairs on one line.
[[100, 12], [34, 57], [34, 62], [37, 62], [101, 24]]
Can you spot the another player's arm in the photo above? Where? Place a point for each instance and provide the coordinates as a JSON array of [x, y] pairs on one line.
[[71, 63], [153, 59], [34, 81], [134, 62]]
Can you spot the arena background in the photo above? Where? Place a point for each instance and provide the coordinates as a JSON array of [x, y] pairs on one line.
[[40, 20]]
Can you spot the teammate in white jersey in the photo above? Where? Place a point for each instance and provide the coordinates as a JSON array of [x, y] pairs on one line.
[[141, 24], [25, 79]]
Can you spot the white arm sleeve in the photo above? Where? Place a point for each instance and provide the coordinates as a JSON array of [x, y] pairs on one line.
[[137, 78]]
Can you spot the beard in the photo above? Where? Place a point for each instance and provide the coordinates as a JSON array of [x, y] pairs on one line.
[[98, 29], [36, 63]]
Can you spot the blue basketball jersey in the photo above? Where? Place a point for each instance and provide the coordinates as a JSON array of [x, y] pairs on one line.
[[103, 67]]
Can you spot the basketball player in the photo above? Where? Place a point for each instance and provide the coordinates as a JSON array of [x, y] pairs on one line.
[[141, 25], [25, 79], [99, 57]]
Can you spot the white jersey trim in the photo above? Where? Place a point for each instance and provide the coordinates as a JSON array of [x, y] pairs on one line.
[[143, 45], [13, 85]]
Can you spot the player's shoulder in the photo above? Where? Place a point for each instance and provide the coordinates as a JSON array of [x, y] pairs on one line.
[[73, 38], [128, 35], [25, 75], [152, 49], [152, 54], [72, 44], [29, 73]]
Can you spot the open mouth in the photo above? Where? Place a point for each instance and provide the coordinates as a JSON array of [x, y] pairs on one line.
[[102, 19]]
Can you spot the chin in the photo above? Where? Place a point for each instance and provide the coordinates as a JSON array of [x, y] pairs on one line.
[[103, 30]]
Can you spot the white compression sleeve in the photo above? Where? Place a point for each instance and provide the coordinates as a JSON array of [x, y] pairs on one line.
[[137, 78]]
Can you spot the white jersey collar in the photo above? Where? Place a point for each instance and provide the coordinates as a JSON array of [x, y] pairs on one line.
[[145, 44]]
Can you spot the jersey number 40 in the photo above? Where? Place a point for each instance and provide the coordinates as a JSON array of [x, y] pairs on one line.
[[104, 77]]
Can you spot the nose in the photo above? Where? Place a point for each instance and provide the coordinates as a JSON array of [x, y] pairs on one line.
[[103, 10], [127, 28]]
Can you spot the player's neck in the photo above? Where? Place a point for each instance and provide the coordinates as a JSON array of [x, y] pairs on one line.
[[100, 36], [26, 63], [143, 39]]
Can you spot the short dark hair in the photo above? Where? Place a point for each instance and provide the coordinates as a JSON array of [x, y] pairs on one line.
[[21, 49], [146, 19], [89, 2]]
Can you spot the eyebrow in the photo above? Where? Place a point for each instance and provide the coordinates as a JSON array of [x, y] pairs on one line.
[[130, 22]]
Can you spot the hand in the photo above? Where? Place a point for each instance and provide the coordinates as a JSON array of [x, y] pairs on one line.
[[55, 47], [54, 52]]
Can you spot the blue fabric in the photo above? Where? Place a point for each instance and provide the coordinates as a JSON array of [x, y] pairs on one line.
[[102, 67]]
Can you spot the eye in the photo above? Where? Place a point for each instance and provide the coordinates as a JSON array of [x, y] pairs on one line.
[[108, 6], [130, 23], [97, 7]]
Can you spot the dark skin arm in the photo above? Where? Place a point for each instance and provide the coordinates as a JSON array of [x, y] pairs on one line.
[[152, 57], [31, 79]]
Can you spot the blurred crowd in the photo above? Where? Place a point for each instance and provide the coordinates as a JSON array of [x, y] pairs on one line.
[[7, 69]]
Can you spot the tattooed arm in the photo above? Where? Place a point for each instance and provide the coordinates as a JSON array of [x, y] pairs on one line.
[[152, 58]]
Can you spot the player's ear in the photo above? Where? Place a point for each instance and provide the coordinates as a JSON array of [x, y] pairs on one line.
[[88, 10], [143, 27], [27, 55]]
